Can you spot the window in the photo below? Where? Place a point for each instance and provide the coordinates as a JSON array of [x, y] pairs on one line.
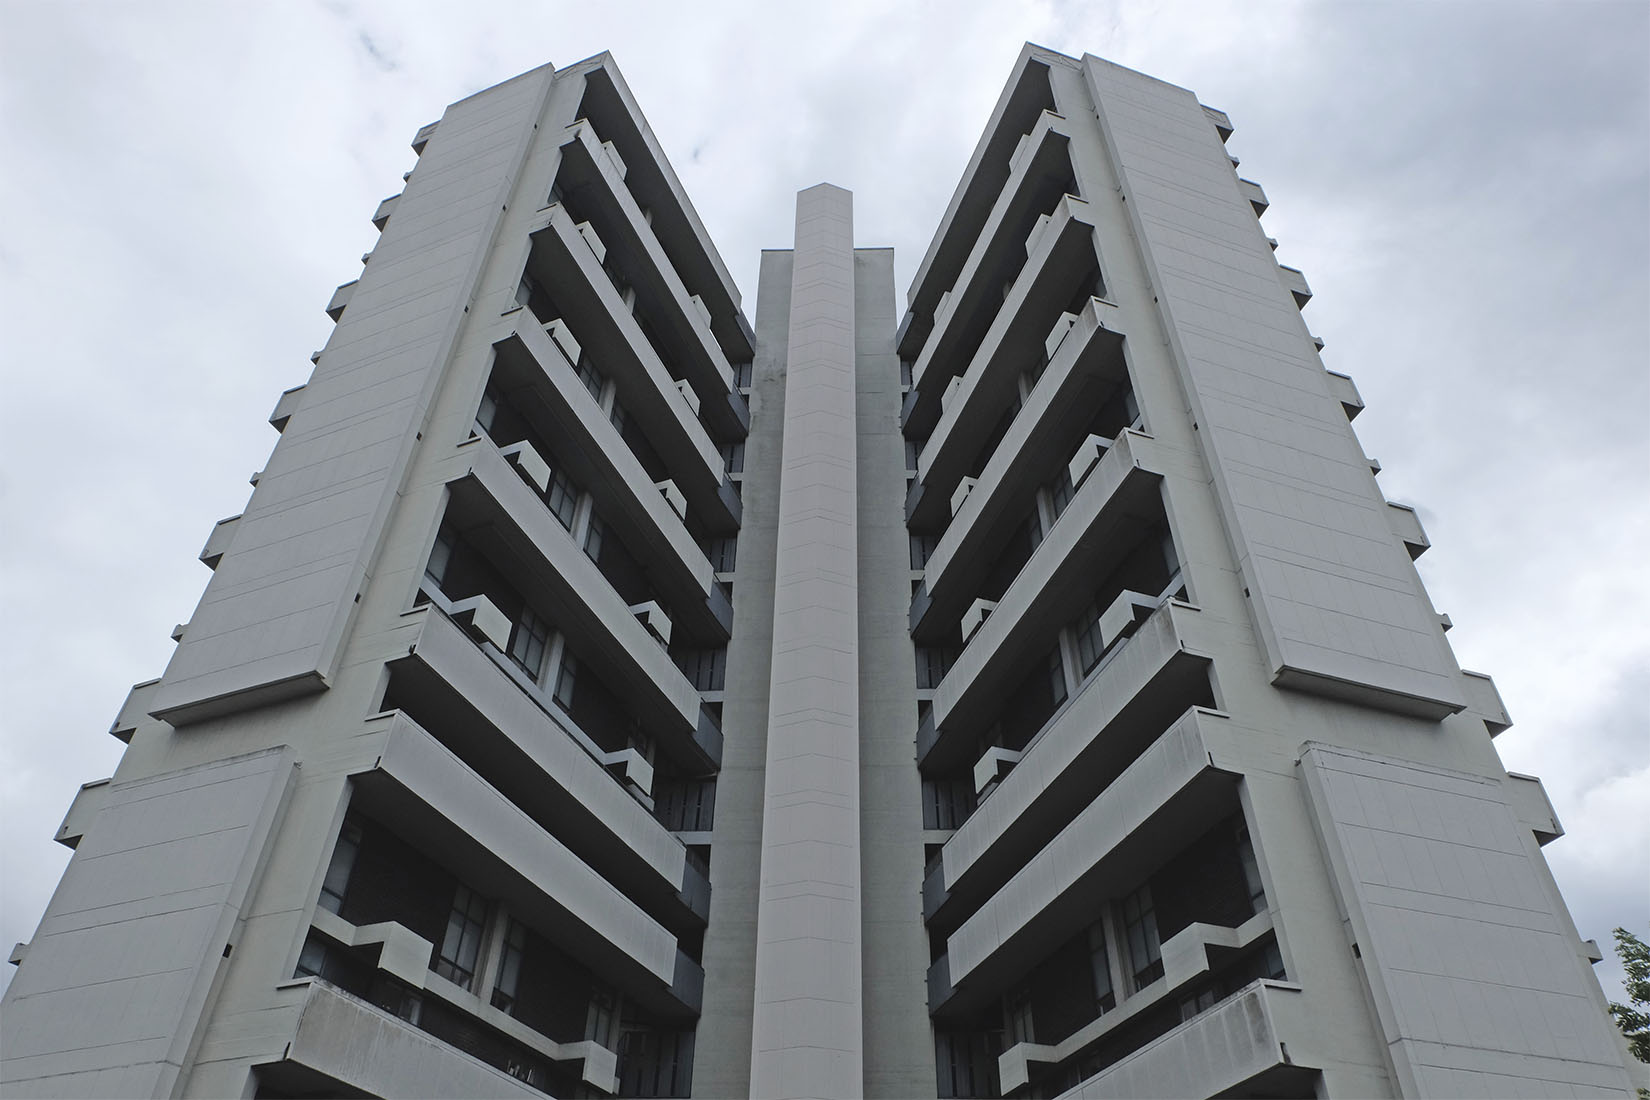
[[1105, 997], [922, 548], [1191, 1006], [441, 554], [487, 413], [733, 457], [618, 418], [563, 497], [1056, 678], [601, 1020], [905, 372], [525, 288], [742, 374], [462, 944], [1090, 648], [721, 552], [932, 665], [529, 641], [1060, 492], [707, 668], [509, 966], [946, 803], [1140, 930], [1251, 871], [1017, 1016], [912, 454], [338, 871], [312, 960], [591, 376], [594, 538], [566, 678]]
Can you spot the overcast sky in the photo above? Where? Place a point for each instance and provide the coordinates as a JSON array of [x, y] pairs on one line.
[[1466, 186]]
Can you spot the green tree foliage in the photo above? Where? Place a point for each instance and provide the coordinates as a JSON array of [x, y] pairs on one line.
[[1634, 1017]]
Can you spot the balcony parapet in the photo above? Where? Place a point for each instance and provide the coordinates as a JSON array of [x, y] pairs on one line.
[[285, 406], [88, 802], [1264, 1028], [448, 811], [1407, 526], [648, 524], [134, 710], [1484, 702], [1185, 958], [1060, 255], [614, 340], [1255, 195], [1294, 281], [1120, 494], [217, 543], [1174, 792], [340, 299], [594, 164], [490, 500], [1528, 797], [1084, 369], [1344, 390]]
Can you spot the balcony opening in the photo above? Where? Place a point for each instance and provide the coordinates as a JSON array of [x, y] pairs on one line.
[[965, 1060], [685, 804], [1145, 578]]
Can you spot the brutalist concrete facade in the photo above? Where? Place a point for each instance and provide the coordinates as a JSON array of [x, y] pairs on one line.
[[1029, 695]]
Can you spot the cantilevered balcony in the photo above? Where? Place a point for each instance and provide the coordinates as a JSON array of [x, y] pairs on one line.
[[563, 261], [533, 372], [611, 109], [467, 696], [590, 175], [1172, 794], [451, 815], [1119, 498], [1018, 111], [1258, 1042], [978, 314], [1344, 390], [1086, 368], [506, 521]]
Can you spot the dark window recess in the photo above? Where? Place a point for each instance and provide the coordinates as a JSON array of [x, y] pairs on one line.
[[440, 554], [722, 553], [528, 641], [1208, 882], [947, 802], [742, 373], [913, 454], [1014, 556], [905, 372], [932, 665], [989, 447], [1149, 569], [685, 805], [655, 1062], [391, 881], [461, 946], [733, 457], [965, 1063], [1140, 933], [706, 668], [592, 377], [922, 548], [1031, 704], [336, 882]]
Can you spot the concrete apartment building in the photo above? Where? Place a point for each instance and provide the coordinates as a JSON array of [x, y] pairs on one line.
[[1028, 692]]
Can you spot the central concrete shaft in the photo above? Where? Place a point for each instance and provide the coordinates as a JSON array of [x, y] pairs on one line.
[[808, 1036]]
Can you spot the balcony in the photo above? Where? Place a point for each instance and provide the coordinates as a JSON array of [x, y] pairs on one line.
[[506, 521], [1407, 526], [341, 298], [346, 1041], [285, 406], [531, 370], [1058, 255], [1295, 283], [88, 802], [217, 543], [1342, 389], [1484, 702], [1532, 807], [1186, 959], [1256, 197], [1120, 496], [381, 216], [1257, 1042], [1086, 368], [1138, 690], [1175, 792], [450, 814], [562, 260], [590, 171], [539, 758], [1019, 109]]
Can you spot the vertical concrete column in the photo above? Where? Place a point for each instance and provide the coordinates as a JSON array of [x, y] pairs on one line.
[[807, 1039]]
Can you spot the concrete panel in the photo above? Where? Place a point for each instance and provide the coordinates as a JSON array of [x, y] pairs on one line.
[[1338, 605], [1475, 979], [121, 973], [273, 617], [807, 1039]]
